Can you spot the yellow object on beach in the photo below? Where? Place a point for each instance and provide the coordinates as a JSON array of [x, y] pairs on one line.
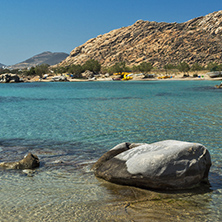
[[124, 75], [127, 76]]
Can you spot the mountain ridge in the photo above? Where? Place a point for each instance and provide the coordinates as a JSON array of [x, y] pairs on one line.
[[2, 65], [197, 40], [47, 57]]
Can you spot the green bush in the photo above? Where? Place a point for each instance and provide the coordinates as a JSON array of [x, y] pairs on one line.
[[92, 65], [76, 70], [196, 67], [169, 66], [145, 67], [214, 67], [118, 67], [41, 69], [183, 67]]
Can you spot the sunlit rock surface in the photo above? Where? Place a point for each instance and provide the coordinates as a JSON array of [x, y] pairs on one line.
[[30, 161], [168, 164]]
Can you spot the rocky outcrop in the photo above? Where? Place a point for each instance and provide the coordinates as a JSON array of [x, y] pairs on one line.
[[219, 86], [198, 40], [10, 78], [87, 74], [30, 161], [164, 165]]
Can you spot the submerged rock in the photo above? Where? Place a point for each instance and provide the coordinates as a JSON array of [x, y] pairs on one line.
[[30, 161], [29, 172], [168, 164]]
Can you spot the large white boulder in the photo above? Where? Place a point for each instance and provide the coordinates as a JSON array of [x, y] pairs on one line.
[[168, 164]]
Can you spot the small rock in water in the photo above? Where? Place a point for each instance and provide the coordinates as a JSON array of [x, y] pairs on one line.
[[58, 161], [30, 161], [28, 172]]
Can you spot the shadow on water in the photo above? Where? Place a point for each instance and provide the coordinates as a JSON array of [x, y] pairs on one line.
[[198, 204], [133, 193], [31, 85], [215, 181], [154, 205], [10, 99], [203, 89], [165, 94]]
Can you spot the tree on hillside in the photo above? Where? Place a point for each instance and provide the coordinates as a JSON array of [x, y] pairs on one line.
[[60, 70], [92, 65], [118, 67], [31, 71], [183, 67], [169, 66], [196, 67], [145, 67], [76, 70], [213, 67], [135, 68], [2, 71], [41, 69], [220, 67]]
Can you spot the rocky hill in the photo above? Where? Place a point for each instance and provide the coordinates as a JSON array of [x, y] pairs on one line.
[[50, 58], [197, 40]]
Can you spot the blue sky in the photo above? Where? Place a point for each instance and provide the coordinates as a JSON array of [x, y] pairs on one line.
[[29, 27]]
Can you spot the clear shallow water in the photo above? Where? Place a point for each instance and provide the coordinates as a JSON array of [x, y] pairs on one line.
[[70, 125]]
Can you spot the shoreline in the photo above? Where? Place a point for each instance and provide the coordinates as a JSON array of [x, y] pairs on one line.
[[105, 78], [110, 78]]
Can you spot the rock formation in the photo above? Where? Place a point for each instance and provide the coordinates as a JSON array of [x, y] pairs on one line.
[[30, 161], [219, 86], [10, 78], [197, 40], [164, 165]]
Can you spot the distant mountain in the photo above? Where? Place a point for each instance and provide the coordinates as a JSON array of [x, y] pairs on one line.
[[42, 58], [1, 65], [197, 40]]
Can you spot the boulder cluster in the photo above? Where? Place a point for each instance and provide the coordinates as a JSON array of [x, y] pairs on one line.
[[10, 78]]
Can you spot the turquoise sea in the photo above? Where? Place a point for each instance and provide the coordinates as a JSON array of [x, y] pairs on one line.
[[70, 125]]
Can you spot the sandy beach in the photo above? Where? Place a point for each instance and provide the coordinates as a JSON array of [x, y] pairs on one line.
[[135, 77]]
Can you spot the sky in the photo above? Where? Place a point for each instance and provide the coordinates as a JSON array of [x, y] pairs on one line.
[[30, 27]]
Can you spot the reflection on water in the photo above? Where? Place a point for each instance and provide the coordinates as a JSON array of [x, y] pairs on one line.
[[162, 206]]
